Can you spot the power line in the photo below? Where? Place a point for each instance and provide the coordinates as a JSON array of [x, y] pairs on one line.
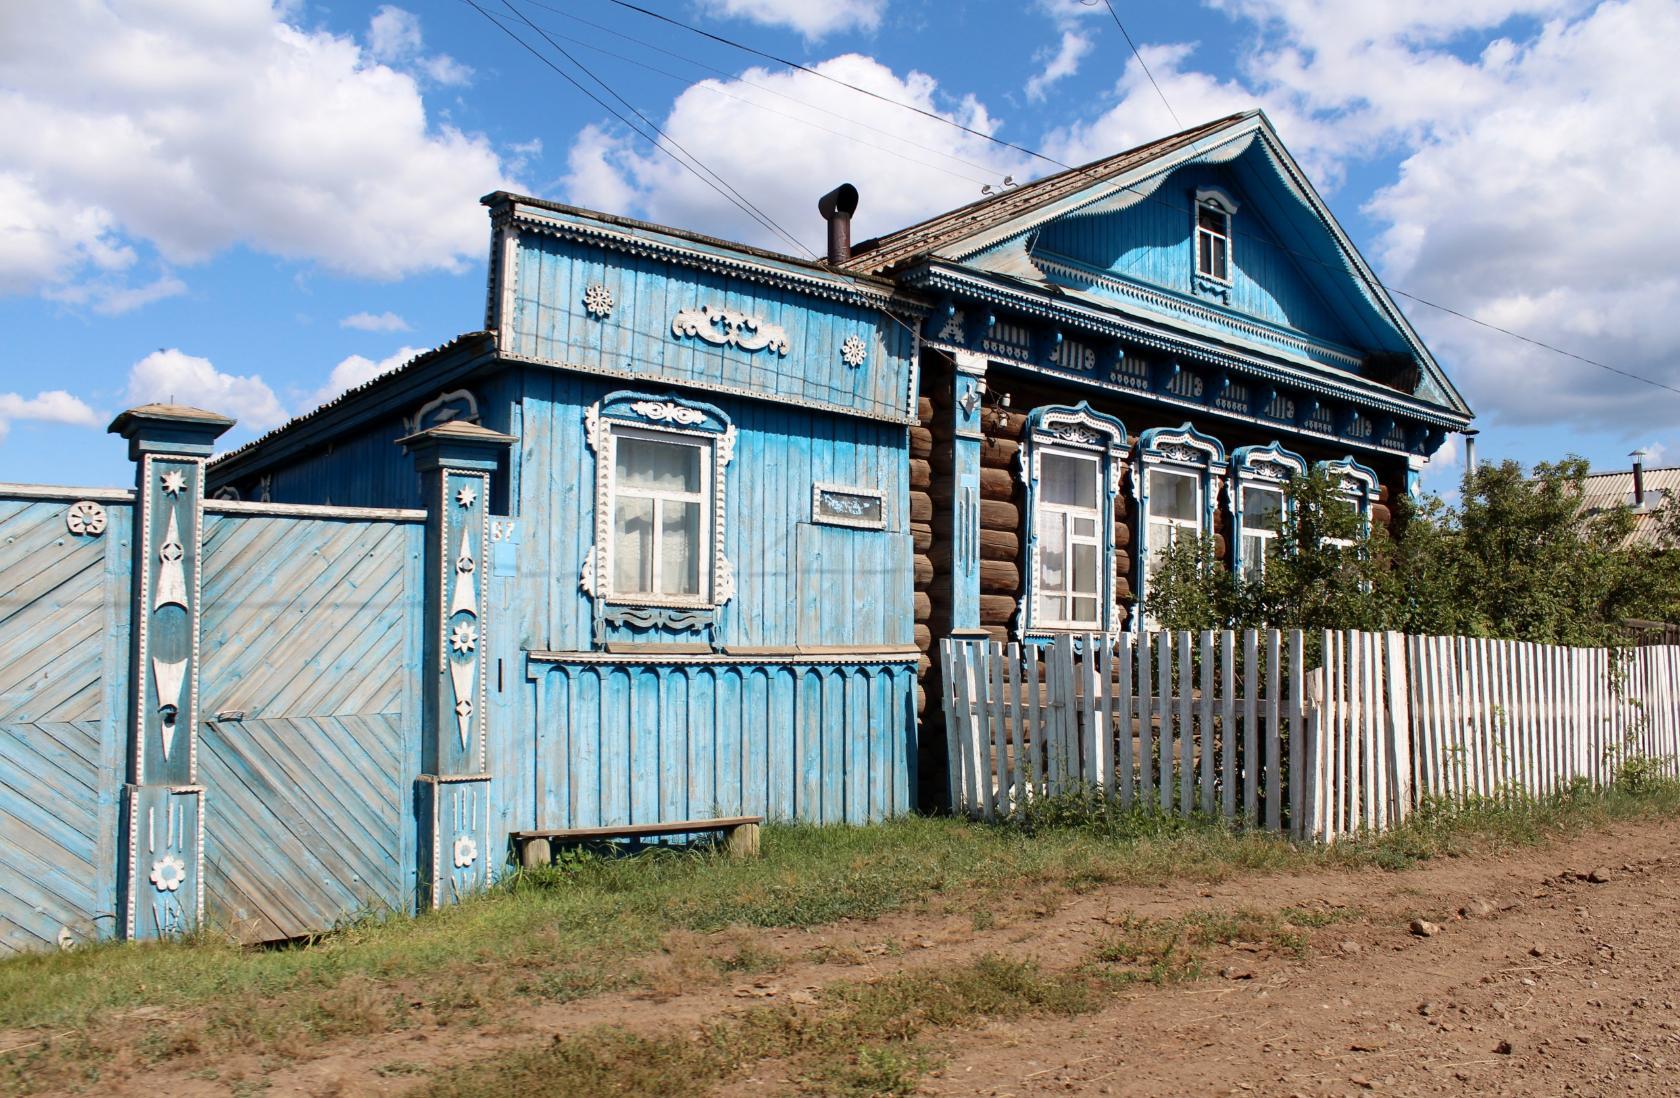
[[1116, 188], [745, 202], [1142, 63], [604, 105]]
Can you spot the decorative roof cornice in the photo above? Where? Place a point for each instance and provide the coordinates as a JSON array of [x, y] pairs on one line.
[[1038, 303]]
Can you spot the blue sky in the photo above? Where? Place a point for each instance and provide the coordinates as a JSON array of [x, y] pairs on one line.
[[249, 206]]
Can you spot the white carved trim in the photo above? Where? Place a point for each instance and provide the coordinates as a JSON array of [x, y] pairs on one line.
[[828, 516], [418, 421], [666, 412], [85, 518], [854, 352], [723, 327]]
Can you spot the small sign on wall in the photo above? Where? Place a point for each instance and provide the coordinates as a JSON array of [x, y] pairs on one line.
[[838, 505]]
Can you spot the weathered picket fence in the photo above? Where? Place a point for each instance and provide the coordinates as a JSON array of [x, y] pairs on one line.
[[1239, 725]]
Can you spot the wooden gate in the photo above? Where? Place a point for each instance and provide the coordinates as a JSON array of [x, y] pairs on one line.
[[63, 649], [310, 744]]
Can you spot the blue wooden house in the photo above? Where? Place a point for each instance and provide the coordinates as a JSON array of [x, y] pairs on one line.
[[671, 537]]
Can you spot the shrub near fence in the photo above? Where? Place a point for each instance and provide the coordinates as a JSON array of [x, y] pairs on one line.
[[1246, 726]]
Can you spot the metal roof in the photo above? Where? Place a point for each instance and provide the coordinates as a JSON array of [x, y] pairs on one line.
[[909, 244], [350, 394], [1605, 491]]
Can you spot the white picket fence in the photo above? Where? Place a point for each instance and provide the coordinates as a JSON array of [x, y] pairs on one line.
[[1237, 725]]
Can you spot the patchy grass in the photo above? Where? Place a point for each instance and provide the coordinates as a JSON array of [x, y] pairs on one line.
[[666, 920]]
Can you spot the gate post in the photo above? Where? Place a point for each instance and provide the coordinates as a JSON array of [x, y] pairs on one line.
[[455, 461], [160, 881]]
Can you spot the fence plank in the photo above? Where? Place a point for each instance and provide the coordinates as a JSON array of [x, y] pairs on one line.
[[1104, 656], [1186, 725], [1123, 754], [1163, 683], [1089, 775], [1228, 722], [1297, 683], [1400, 723], [1205, 731], [1251, 721], [1272, 787], [1146, 730]]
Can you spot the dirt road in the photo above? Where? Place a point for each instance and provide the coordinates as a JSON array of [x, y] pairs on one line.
[[1532, 979]]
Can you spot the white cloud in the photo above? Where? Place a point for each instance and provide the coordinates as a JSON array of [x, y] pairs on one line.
[[192, 127], [375, 322], [49, 406], [905, 166], [811, 18], [1064, 62], [394, 38], [357, 369], [172, 376], [113, 296], [1533, 175]]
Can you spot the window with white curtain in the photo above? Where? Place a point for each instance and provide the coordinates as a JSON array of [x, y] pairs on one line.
[[1175, 510], [1213, 242], [661, 513], [1262, 521], [1068, 521]]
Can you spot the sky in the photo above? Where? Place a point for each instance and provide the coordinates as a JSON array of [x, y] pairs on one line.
[[251, 206]]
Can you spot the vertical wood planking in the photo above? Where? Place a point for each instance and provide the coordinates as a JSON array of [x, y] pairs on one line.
[[1103, 654], [1400, 730], [1205, 729], [1164, 741], [1146, 732], [1228, 723], [1297, 685], [1018, 767], [1126, 742], [1186, 726], [1032, 669], [1251, 731], [1273, 751]]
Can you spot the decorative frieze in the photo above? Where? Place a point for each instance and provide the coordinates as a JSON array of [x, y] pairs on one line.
[[730, 328]]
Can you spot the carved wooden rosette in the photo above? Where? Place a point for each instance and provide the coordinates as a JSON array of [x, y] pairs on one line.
[[163, 811]]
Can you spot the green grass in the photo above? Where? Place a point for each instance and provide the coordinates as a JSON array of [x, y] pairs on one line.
[[597, 924]]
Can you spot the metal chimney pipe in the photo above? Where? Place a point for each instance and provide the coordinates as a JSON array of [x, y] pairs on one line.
[[837, 208], [1470, 451], [1638, 457]]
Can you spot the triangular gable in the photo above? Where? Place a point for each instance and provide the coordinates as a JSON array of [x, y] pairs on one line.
[[998, 235]]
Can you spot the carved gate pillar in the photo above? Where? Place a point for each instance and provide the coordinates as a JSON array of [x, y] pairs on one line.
[[162, 849], [968, 382], [455, 846]]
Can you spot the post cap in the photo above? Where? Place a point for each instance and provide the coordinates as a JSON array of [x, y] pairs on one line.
[[169, 429], [457, 444]]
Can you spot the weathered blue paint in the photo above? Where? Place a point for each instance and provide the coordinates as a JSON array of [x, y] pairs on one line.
[[312, 656], [63, 673]]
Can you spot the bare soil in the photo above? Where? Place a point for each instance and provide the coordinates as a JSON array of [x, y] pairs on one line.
[[1536, 980]]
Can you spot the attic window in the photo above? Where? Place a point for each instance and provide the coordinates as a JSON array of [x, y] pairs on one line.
[[1213, 241]]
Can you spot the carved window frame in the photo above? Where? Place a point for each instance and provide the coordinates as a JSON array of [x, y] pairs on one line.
[[1185, 450], [1269, 467], [1081, 431], [1207, 282], [643, 415], [1359, 485]]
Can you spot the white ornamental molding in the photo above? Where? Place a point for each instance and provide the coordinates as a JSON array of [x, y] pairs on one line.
[[854, 352], [168, 873], [85, 518], [730, 328], [666, 412], [466, 852], [598, 300]]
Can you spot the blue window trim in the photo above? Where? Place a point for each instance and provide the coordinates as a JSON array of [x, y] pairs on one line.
[[1270, 466], [1184, 449], [1076, 427]]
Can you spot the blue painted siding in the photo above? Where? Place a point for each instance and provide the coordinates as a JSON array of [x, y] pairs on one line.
[[63, 599], [796, 582], [633, 743], [550, 323], [310, 688], [1150, 241]]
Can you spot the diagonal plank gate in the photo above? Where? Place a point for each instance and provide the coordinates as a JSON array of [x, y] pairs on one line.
[[264, 718], [1321, 734]]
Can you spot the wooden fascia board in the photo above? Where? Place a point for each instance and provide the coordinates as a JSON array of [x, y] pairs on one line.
[[370, 405], [907, 418], [858, 290], [1321, 380]]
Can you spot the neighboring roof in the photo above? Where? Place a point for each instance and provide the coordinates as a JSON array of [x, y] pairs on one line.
[[896, 249], [941, 248], [1607, 491], [484, 341]]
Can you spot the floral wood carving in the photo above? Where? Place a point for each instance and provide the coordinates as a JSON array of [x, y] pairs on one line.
[[730, 328]]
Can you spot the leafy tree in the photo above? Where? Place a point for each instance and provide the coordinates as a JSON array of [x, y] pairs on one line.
[[1518, 557]]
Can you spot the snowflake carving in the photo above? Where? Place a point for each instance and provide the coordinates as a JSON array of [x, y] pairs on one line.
[[174, 482], [598, 300], [168, 873], [463, 638], [466, 852], [853, 351], [85, 517], [466, 497]]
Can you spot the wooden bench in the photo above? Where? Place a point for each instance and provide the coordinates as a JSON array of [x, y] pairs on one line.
[[740, 835]]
